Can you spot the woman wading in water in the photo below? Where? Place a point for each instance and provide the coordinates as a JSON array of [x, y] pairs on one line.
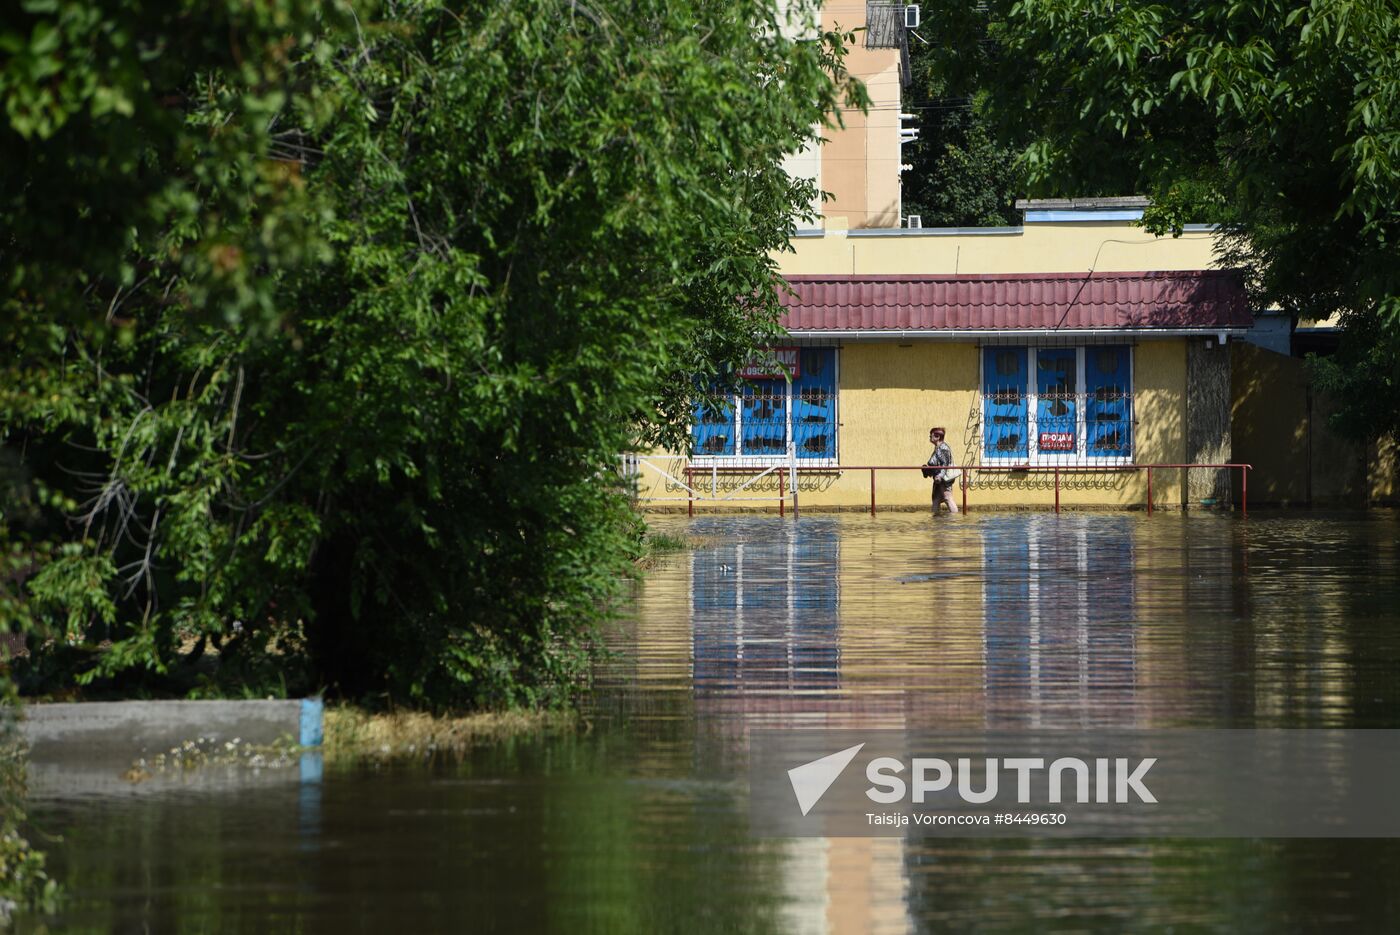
[[943, 479]]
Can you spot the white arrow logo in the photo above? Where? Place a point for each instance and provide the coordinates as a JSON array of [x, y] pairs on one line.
[[811, 780]]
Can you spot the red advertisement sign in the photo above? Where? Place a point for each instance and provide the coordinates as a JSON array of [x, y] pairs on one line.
[[786, 356], [1056, 441]]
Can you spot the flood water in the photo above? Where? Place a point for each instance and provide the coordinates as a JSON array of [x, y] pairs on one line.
[[640, 823]]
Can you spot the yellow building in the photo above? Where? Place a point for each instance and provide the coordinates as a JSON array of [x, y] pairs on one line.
[[1066, 358], [1070, 358]]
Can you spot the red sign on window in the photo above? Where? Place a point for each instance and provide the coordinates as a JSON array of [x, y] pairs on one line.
[[766, 370], [1056, 441]]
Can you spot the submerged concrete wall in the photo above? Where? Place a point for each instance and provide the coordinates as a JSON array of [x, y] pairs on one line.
[[120, 731]]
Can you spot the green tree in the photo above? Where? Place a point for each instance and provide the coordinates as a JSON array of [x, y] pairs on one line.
[[959, 175], [1276, 119], [349, 413], [138, 163]]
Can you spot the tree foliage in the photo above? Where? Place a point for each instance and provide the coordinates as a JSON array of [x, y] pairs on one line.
[[334, 395], [24, 881], [960, 175], [1280, 120]]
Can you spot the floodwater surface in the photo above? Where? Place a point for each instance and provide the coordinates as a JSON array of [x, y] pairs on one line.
[[639, 823]]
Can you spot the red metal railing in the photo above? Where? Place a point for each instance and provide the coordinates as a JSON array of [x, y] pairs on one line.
[[1244, 470]]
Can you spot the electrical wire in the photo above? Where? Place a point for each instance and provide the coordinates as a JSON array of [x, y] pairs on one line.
[[1090, 275]]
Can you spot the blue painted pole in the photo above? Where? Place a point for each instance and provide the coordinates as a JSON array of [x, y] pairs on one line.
[[312, 714]]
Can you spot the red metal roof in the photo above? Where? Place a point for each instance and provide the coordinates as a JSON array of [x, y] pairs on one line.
[[1206, 299]]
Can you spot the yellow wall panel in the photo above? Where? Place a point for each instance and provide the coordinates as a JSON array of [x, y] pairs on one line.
[[1105, 246]]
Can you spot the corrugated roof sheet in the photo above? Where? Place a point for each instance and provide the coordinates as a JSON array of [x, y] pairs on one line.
[[1067, 301]]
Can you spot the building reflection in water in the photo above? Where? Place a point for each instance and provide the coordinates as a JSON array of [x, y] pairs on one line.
[[1059, 650], [1059, 634], [764, 614], [766, 645]]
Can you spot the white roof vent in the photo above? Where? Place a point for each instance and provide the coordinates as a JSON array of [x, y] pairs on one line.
[[915, 220]]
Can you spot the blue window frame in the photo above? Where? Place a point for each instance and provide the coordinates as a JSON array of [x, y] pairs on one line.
[[763, 411], [768, 413], [1056, 393], [1057, 404], [1005, 423], [1108, 394], [712, 430], [814, 404]]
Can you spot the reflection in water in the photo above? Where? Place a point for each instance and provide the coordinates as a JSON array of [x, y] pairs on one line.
[[765, 618], [1058, 600], [902, 621], [764, 614], [311, 770]]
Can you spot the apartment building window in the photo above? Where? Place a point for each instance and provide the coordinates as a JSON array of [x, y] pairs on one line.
[[1057, 405], [770, 411]]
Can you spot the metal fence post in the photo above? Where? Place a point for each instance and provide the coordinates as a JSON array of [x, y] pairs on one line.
[[792, 467]]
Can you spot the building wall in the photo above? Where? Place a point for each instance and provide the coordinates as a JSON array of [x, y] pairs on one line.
[[882, 177], [1268, 416], [1159, 405], [807, 164], [860, 160], [1106, 246], [800, 20], [1272, 330], [1208, 420], [1279, 424], [890, 395]]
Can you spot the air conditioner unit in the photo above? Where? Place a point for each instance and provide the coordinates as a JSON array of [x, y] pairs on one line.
[[911, 17], [915, 220]]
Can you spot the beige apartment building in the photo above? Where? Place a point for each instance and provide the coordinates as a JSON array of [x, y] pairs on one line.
[[858, 165]]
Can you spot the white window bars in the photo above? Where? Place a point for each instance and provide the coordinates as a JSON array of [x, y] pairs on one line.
[[731, 481], [1057, 405], [1058, 427]]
